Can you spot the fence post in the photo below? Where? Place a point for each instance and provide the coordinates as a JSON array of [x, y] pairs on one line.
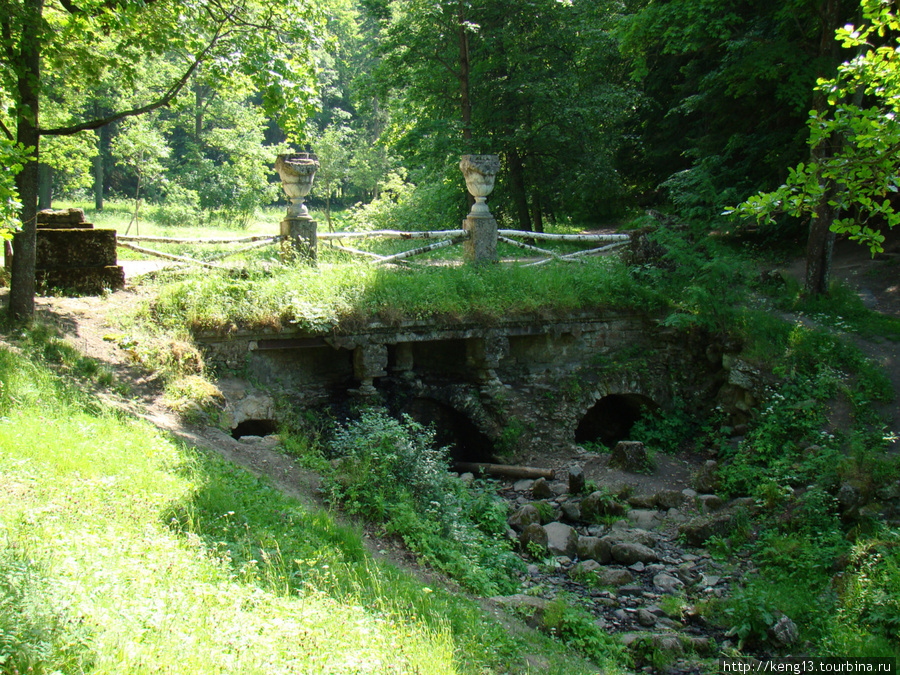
[[298, 228], [479, 172]]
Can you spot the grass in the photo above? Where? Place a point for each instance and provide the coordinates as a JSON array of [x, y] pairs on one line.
[[124, 552], [348, 296]]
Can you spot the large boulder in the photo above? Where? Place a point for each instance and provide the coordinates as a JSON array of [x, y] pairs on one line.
[[525, 516], [599, 504], [562, 539], [534, 539], [595, 548], [629, 456], [628, 553]]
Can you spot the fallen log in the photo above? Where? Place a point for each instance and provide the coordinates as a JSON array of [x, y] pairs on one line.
[[503, 470]]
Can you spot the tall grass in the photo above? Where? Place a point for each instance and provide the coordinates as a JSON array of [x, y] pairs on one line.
[[123, 552], [346, 295]]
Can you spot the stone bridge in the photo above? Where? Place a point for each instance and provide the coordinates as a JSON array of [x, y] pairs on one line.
[[516, 384]]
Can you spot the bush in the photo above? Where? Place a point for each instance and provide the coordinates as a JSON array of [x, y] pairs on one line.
[[390, 471]]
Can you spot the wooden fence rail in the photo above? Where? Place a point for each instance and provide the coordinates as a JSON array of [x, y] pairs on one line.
[[446, 238]]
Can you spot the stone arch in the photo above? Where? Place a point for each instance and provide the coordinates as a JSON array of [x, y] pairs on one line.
[[453, 429], [254, 427], [611, 416]]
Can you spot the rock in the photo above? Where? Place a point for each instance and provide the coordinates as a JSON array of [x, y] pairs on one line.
[[701, 645], [710, 503], [667, 583], [785, 631], [689, 494], [523, 485], [644, 518], [889, 492], [613, 576], [533, 570], [571, 511], [708, 581], [534, 607], [748, 503], [642, 501], [687, 574], [576, 480], [637, 567], [633, 535], [645, 618], [523, 517], [629, 456], [534, 539], [706, 479], [629, 553], [698, 530], [540, 489], [598, 504], [562, 539], [630, 590], [585, 567], [669, 499], [467, 478], [848, 498], [594, 548]]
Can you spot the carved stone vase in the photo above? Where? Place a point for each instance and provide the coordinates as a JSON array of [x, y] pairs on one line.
[[480, 172], [297, 171]]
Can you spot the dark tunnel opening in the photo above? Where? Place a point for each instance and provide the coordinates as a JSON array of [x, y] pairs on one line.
[[254, 428], [452, 429], [611, 418]]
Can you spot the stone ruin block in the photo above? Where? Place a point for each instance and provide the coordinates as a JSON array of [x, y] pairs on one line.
[[62, 219], [58, 248], [70, 254]]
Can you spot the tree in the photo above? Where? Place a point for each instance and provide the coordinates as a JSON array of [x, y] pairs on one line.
[[726, 87], [77, 41], [850, 184]]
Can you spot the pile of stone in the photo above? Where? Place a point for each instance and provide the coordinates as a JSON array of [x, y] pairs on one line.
[[631, 560], [73, 256]]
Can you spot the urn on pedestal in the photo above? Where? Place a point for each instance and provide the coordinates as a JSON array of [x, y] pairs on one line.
[[480, 172], [297, 171]]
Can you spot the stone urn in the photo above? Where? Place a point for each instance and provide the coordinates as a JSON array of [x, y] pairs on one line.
[[480, 172], [297, 171]]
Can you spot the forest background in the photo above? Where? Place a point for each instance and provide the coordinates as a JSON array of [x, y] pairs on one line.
[[598, 110]]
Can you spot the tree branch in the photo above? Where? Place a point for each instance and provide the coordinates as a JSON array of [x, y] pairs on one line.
[[164, 100], [6, 131]]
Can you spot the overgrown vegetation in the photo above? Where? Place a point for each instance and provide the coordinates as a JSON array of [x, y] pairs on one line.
[[124, 551]]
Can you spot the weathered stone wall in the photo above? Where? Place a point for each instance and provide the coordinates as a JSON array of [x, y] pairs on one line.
[[527, 382], [71, 254]]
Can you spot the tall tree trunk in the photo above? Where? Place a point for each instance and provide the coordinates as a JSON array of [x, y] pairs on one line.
[[517, 187], [820, 243], [45, 187], [21, 292], [99, 166], [464, 100], [538, 213]]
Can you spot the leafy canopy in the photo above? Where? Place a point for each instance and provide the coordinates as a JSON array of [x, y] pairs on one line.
[[860, 176]]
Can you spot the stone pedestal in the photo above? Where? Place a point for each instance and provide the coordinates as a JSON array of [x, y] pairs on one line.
[[481, 246], [479, 172], [369, 362], [297, 171], [300, 240]]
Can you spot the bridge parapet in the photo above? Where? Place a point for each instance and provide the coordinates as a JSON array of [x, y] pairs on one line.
[[549, 379]]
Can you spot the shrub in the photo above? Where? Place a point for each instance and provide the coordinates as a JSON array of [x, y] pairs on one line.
[[390, 471]]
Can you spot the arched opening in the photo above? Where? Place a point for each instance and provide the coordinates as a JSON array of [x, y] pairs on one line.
[[254, 428], [452, 429], [610, 419]]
